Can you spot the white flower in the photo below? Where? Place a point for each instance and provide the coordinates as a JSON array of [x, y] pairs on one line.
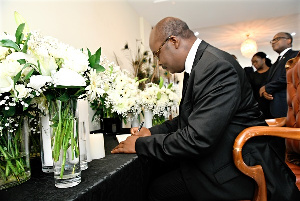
[[6, 83], [38, 81], [10, 68], [68, 77], [20, 91]]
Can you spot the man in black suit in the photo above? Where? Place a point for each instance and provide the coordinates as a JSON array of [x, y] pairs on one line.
[[217, 104], [275, 88]]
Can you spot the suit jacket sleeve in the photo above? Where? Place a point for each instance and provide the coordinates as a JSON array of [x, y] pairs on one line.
[[211, 99], [166, 127], [280, 82]]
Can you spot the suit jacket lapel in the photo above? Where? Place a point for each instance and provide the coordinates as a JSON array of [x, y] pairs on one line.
[[203, 45]]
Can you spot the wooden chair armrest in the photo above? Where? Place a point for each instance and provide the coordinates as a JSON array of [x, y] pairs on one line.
[[277, 122], [256, 172]]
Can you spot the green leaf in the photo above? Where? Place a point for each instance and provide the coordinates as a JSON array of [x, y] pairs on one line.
[[89, 52], [158, 95], [10, 112], [161, 82], [143, 80], [29, 74], [25, 47], [98, 68], [17, 77], [170, 85], [19, 33], [22, 61], [94, 59], [10, 44]]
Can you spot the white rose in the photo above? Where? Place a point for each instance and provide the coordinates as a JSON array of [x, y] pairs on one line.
[[68, 77], [6, 83], [21, 91], [38, 81], [10, 68]]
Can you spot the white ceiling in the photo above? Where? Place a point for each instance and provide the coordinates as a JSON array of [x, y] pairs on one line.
[[225, 23], [208, 13]]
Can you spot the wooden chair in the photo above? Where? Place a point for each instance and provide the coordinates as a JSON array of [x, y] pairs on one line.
[[291, 132]]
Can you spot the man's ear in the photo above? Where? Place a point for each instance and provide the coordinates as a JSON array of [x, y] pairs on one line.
[[175, 41]]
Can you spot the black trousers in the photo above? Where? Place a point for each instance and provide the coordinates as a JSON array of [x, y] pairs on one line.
[[167, 184]]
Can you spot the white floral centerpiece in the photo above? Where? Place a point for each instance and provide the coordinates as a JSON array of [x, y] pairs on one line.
[[17, 103], [113, 93], [160, 99], [57, 74]]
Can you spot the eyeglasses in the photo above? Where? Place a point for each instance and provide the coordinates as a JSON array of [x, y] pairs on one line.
[[157, 52], [275, 40]]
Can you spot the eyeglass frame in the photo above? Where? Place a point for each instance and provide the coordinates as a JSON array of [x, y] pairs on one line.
[[275, 40], [157, 52]]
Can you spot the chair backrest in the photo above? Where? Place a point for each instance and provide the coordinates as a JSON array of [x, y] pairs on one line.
[[291, 132], [293, 100]]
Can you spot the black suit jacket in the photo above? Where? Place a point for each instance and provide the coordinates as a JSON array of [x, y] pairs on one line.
[[217, 104], [276, 85]]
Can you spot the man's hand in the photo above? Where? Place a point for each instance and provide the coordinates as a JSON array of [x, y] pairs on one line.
[[143, 132], [127, 146], [263, 93], [268, 96], [262, 90]]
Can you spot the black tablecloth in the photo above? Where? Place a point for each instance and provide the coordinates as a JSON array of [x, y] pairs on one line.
[[115, 177]]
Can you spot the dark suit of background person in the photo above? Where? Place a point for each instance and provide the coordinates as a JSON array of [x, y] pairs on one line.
[[258, 78], [217, 104], [276, 82]]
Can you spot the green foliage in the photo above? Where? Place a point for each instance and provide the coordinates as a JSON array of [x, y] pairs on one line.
[[9, 44], [94, 60]]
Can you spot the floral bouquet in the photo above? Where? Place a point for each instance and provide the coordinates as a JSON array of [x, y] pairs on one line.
[[159, 99], [65, 69], [17, 104], [113, 93]]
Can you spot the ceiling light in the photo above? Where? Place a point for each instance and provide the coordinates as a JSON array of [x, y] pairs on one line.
[[248, 47], [159, 1]]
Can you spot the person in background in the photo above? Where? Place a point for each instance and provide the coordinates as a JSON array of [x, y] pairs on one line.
[[258, 78], [275, 87], [195, 147]]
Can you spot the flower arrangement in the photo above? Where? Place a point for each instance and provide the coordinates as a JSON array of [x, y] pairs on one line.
[[16, 105], [160, 99], [113, 93], [39, 72]]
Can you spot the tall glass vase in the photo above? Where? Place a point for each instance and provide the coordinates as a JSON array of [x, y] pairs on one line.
[[14, 152], [45, 139], [65, 143], [148, 115]]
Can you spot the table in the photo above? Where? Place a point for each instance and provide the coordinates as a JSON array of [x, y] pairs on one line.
[[115, 177]]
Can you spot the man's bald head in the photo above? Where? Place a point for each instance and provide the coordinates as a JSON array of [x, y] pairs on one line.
[[171, 26]]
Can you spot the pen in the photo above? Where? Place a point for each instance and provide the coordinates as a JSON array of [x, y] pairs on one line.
[[141, 125]]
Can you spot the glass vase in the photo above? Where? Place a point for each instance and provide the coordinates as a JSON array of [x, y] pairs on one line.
[[148, 115], [135, 121], [45, 139], [65, 143], [14, 151]]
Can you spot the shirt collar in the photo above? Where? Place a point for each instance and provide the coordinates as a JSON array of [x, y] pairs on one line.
[[191, 56], [284, 51]]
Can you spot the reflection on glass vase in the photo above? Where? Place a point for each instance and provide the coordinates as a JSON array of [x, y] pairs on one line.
[[14, 152], [45, 139], [148, 115], [65, 143]]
